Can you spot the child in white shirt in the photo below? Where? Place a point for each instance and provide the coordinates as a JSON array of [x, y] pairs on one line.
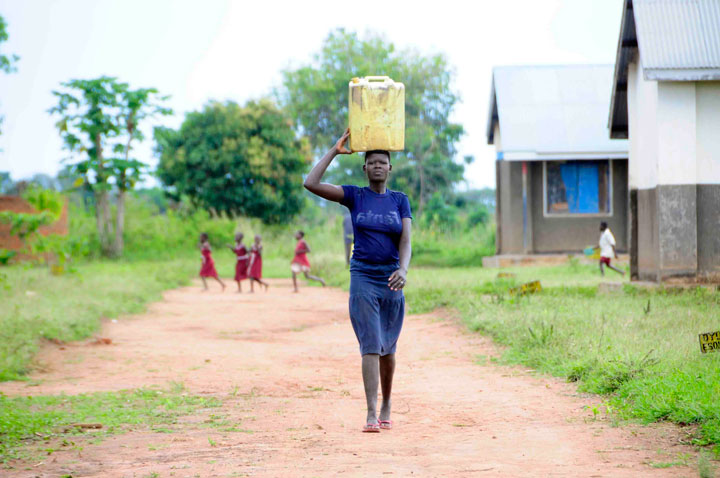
[[607, 249]]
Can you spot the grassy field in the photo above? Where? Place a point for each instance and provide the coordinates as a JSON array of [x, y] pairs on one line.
[[638, 348], [49, 422]]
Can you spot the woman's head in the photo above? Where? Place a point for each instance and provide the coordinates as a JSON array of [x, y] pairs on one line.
[[258, 238], [377, 165], [299, 235], [203, 237], [239, 236]]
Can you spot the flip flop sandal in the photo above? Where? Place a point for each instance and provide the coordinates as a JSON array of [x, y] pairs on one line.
[[386, 424], [371, 428]]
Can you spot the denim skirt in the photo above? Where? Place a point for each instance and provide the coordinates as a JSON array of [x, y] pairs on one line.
[[376, 312]]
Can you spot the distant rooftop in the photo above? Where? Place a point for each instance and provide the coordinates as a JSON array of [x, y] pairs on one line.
[[552, 112]]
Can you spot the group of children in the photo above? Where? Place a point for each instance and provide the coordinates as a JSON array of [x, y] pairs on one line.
[[248, 264]]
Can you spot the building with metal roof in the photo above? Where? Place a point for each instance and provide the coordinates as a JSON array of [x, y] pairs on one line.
[[558, 173], [666, 100]]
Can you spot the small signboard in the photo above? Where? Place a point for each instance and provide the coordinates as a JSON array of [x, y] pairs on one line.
[[505, 275], [529, 288], [710, 342]]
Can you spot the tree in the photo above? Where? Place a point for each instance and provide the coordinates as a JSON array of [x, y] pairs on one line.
[[135, 106], [316, 96], [235, 160], [7, 62], [98, 120]]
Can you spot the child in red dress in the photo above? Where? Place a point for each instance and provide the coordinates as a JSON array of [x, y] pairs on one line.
[[255, 268], [300, 262], [243, 259], [208, 265]]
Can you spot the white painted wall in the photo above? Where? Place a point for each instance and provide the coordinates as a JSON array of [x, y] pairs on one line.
[[642, 125], [496, 138], [677, 144], [707, 94]]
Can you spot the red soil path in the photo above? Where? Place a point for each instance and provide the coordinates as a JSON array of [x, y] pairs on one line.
[[287, 369]]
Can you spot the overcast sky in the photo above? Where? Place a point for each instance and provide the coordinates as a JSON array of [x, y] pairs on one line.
[[223, 49]]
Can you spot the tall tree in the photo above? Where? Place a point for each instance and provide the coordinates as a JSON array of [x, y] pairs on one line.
[[236, 160], [99, 123], [135, 106], [7, 62], [316, 95]]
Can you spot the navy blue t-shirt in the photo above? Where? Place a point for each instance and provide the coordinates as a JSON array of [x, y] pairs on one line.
[[377, 223]]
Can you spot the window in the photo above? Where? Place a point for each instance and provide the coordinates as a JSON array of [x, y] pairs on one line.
[[578, 187]]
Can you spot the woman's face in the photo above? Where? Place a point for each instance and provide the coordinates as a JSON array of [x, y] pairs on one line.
[[377, 167]]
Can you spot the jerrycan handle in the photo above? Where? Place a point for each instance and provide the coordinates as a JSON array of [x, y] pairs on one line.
[[378, 78]]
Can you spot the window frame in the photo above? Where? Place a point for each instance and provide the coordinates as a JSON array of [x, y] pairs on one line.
[[547, 214]]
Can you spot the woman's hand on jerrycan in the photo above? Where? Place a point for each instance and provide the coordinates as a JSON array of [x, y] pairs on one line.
[[340, 145]]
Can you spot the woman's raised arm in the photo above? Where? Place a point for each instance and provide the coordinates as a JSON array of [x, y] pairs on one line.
[[328, 191]]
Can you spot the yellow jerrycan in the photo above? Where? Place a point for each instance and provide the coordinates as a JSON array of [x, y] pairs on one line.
[[376, 114]]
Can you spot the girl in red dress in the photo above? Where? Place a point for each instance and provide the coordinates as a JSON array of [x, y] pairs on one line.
[[208, 265], [255, 268], [243, 259], [300, 262]]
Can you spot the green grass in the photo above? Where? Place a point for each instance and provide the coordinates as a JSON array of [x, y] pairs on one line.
[[646, 359], [45, 423], [37, 305], [638, 348]]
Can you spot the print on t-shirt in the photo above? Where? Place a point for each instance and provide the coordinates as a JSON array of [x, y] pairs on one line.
[[369, 218]]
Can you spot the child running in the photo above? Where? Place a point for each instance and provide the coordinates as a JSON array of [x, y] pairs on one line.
[[208, 265], [300, 262], [243, 259], [607, 249], [255, 267]]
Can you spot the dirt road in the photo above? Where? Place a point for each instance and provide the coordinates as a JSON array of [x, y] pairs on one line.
[[286, 367]]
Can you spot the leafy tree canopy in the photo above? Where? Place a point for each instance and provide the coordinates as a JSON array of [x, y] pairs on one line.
[[7, 62], [98, 122], [236, 159], [316, 95]]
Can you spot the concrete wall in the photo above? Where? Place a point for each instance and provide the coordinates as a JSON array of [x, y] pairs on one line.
[[509, 207], [564, 234], [708, 170], [708, 230], [647, 234]]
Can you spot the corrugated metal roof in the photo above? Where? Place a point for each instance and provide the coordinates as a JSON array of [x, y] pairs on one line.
[[679, 35], [548, 112]]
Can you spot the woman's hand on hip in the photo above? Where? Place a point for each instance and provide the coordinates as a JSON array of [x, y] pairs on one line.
[[397, 279]]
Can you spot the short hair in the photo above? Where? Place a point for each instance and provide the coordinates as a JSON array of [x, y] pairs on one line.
[[603, 225], [377, 151], [302, 234], [204, 235]]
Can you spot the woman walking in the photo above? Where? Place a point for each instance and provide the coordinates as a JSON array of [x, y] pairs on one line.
[[381, 222]]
